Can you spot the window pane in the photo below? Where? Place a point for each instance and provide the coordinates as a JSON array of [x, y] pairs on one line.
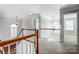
[[69, 25]]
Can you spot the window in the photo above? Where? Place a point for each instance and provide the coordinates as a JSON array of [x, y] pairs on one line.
[[69, 21], [14, 28], [69, 25]]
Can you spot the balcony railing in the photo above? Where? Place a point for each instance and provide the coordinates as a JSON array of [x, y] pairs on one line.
[[22, 44]]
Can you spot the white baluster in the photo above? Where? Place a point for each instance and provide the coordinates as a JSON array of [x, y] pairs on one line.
[[24, 47], [28, 47], [32, 48], [19, 47], [1, 50], [8, 49]]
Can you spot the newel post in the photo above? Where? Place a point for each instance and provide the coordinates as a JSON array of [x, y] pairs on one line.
[[37, 42]]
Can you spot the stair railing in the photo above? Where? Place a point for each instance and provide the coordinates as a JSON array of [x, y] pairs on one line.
[[10, 46]]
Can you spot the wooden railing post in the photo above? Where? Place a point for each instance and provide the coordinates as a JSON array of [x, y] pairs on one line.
[[37, 42]]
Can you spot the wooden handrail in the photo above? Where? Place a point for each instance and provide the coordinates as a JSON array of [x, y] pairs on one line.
[[6, 42]]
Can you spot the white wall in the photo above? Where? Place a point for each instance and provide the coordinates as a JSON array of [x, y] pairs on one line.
[[8, 15], [48, 13]]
